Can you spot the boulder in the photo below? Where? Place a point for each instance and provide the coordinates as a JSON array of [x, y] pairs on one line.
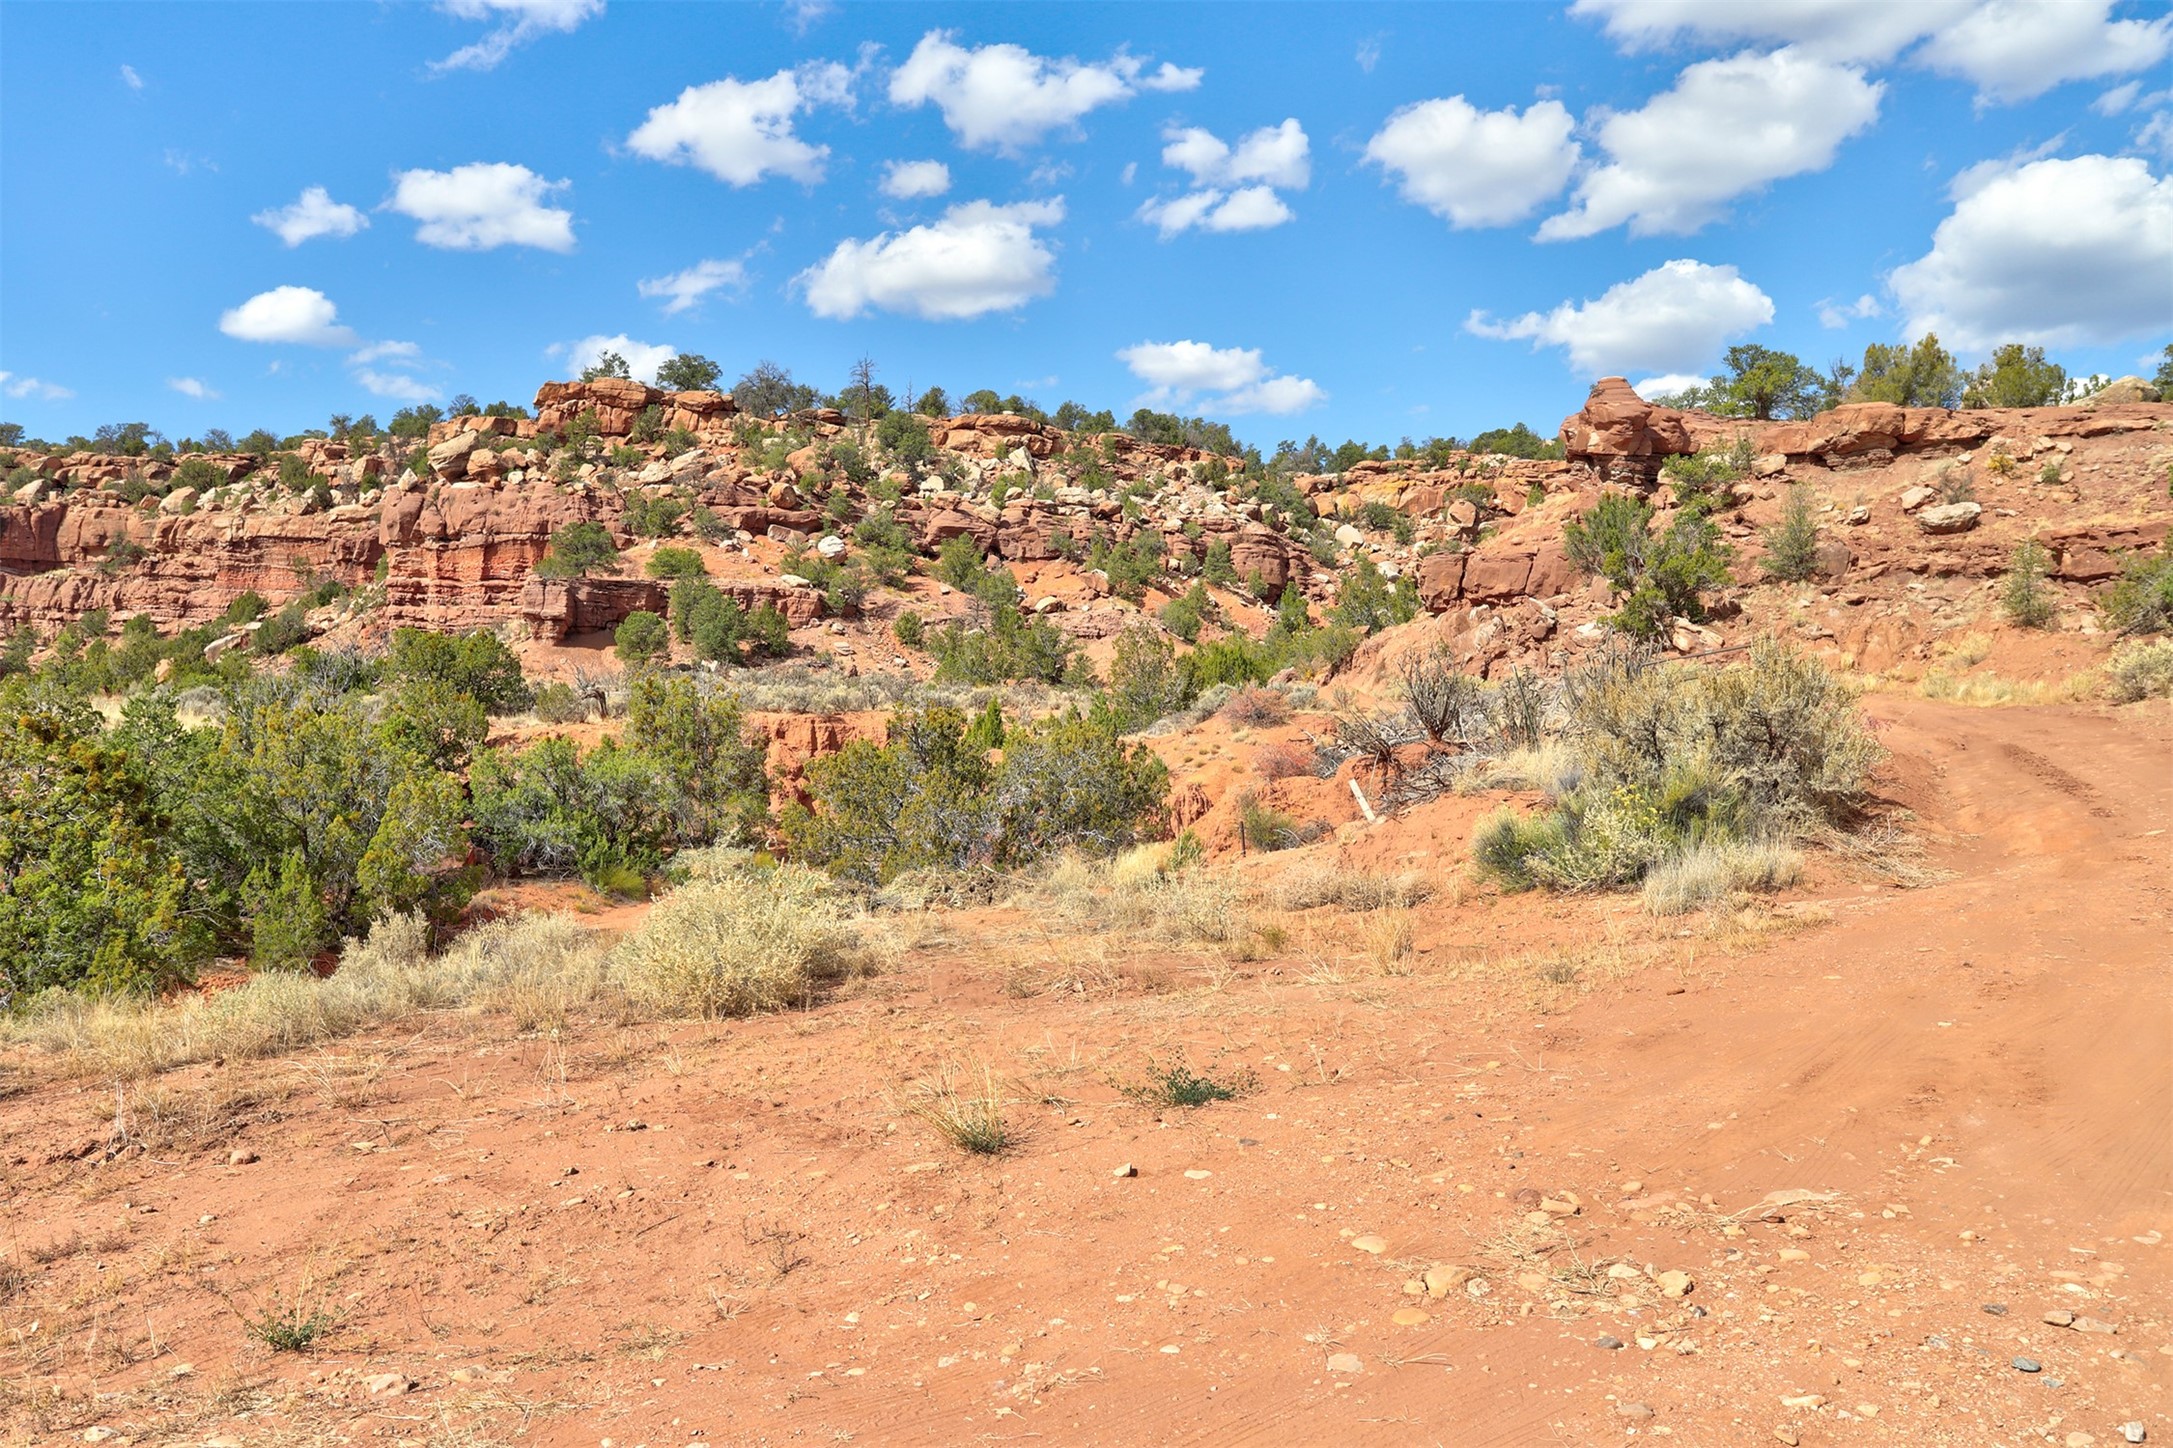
[[1440, 580], [449, 459], [1497, 577], [949, 523], [1620, 435], [2121, 389], [1949, 517], [1259, 550]]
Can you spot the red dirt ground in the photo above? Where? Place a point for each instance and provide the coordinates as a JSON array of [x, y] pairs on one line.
[[670, 1235]]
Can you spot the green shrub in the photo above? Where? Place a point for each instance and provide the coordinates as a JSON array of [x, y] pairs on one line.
[[1702, 480], [885, 546], [1011, 645], [2141, 600], [97, 895], [434, 721], [1145, 681], [959, 563], [282, 631], [1792, 544], [1178, 1085], [577, 550], [1660, 576], [928, 798], [676, 563], [642, 637], [477, 664], [1131, 565], [844, 585], [1672, 760], [291, 926], [653, 516], [908, 629], [198, 473], [1369, 602], [710, 619], [558, 703], [688, 773], [2024, 596], [1262, 828], [1185, 614]]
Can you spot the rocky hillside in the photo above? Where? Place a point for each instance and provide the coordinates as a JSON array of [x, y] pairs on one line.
[[1918, 509]]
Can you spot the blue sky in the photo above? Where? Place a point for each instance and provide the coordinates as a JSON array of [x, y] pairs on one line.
[[1356, 220]]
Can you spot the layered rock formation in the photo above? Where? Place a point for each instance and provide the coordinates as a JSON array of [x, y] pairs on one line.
[[448, 536], [1621, 436]]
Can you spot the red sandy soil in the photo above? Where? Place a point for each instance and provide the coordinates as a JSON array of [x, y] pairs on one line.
[[733, 1233]]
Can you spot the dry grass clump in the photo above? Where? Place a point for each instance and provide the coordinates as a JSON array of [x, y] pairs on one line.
[[1253, 707], [1282, 759], [534, 966], [737, 942], [1552, 768], [1992, 691], [1131, 892], [1389, 937], [2140, 670], [1711, 873], [965, 1108], [1323, 882]]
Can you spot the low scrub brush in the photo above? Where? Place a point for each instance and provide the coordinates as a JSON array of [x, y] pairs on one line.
[[737, 943]]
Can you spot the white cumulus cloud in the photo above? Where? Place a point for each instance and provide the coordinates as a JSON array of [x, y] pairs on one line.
[[1006, 98], [1250, 208], [1860, 30], [35, 389], [2009, 49], [1666, 385], [312, 214], [1728, 126], [1474, 167], [194, 387], [978, 258], [1672, 320], [300, 315], [740, 131], [1278, 156], [397, 386], [401, 352], [1237, 183], [913, 180], [2054, 253], [2156, 135], [482, 205], [1225, 380], [519, 21], [1836, 315], [683, 290], [2012, 50], [130, 79], [642, 358]]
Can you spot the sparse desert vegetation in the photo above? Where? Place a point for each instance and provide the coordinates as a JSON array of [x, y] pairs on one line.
[[1146, 904]]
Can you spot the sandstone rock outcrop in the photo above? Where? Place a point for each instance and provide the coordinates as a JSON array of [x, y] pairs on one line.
[[1621, 436]]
